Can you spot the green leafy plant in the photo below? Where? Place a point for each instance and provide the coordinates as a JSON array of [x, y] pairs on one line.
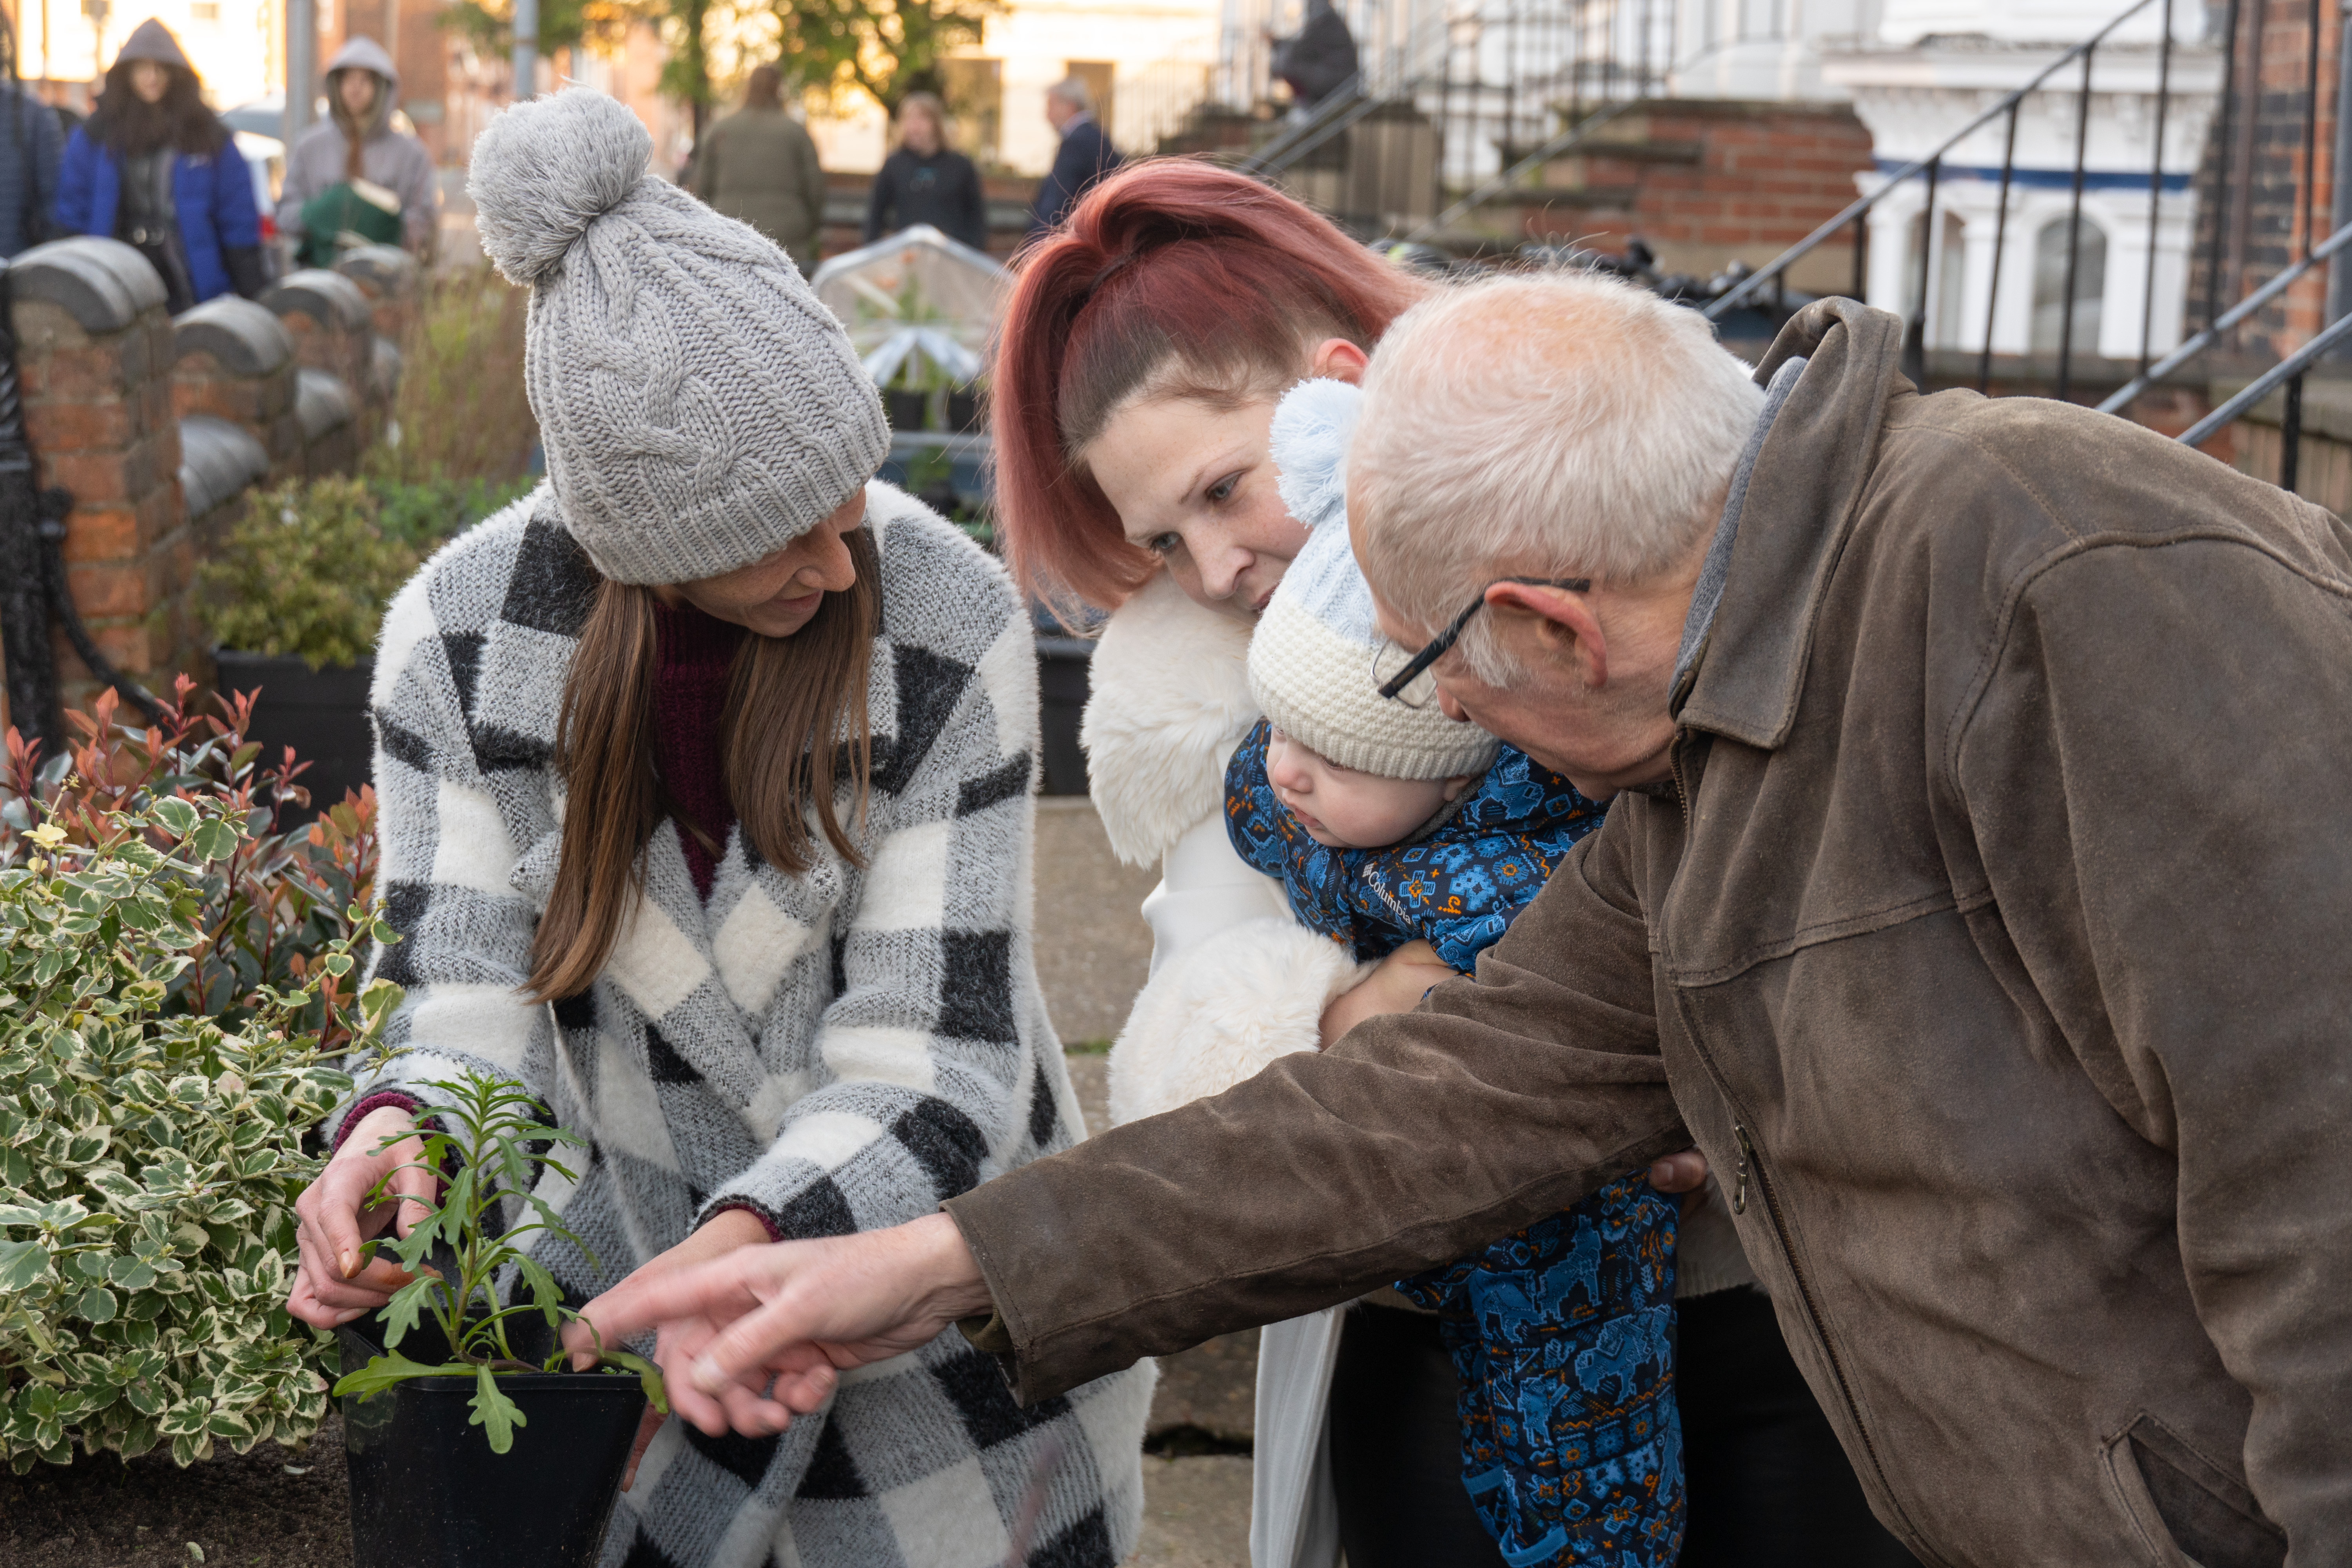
[[306, 571], [149, 1156], [176, 972], [485, 1136], [424, 514]]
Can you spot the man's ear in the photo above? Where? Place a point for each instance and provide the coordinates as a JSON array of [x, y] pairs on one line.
[[1337, 359], [1562, 621]]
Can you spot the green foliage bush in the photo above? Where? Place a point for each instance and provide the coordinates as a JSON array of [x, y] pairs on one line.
[[174, 974], [307, 572]]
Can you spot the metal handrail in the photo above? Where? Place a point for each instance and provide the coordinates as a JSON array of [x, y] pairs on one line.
[[1740, 293], [2238, 312], [2288, 369]]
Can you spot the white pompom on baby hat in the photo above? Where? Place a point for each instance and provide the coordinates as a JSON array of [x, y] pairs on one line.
[[1311, 660], [698, 407]]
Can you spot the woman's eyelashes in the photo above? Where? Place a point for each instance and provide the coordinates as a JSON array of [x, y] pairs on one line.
[[1164, 543], [1221, 491]]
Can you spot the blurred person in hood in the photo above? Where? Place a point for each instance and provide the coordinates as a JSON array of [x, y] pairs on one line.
[[157, 170], [354, 179]]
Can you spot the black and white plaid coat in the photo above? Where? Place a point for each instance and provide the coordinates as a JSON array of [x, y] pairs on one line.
[[841, 1049]]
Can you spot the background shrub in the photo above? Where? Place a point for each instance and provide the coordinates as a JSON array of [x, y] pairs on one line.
[[305, 573], [174, 972]]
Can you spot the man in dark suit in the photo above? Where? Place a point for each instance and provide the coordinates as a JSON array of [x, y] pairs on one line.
[[1086, 154]]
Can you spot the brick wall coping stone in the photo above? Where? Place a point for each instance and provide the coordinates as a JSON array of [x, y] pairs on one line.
[[245, 337], [218, 460], [322, 403], [379, 269], [103, 284], [329, 299]]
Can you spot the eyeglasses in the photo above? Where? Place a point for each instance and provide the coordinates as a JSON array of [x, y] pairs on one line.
[[1398, 678]]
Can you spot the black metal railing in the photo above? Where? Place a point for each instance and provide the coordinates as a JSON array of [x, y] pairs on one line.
[[1930, 169], [1484, 85]]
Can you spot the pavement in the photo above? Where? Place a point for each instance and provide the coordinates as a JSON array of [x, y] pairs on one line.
[[1093, 952]]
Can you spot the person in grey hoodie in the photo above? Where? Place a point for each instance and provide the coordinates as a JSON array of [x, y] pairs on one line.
[[357, 141]]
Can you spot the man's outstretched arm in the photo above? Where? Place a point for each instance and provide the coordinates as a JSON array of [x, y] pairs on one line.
[[1416, 1138]]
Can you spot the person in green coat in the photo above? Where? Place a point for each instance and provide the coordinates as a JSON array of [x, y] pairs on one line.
[[759, 165]]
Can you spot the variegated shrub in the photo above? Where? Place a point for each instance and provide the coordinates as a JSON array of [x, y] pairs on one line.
[[149, 1150]]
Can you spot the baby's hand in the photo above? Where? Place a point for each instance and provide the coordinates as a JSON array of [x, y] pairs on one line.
[[1396, 986]]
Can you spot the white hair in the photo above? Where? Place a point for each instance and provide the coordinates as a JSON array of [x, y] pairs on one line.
[[1074, 91], [1553, 425]]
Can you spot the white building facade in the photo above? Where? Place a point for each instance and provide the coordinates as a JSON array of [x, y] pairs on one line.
[[1937, 64]]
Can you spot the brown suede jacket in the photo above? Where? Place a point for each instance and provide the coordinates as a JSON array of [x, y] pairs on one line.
[[1991, 941]]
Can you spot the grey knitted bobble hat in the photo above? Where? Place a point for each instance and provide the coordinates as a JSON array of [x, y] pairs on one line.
[[698, 407]]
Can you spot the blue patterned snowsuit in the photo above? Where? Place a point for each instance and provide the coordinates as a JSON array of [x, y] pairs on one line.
[[1572, 1448]]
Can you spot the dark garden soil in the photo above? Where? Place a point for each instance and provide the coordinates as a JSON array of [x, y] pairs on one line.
[[250, 1511]]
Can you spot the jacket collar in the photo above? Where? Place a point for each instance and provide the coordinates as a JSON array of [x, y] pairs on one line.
[[1802, 497]]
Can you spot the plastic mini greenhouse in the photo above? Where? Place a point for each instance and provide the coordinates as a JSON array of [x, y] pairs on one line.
[[919, 308]]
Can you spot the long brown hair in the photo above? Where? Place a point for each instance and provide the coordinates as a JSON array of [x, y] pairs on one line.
[[795, 732]]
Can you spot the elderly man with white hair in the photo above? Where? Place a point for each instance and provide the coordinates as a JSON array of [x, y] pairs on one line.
[[1974, 896]]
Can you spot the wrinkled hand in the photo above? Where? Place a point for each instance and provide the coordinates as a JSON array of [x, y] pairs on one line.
[[1397, 986], [334, 1217], [752, 1338], [681, 1341]]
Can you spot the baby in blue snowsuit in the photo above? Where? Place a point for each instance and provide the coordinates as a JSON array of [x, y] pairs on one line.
[[1387, 823]]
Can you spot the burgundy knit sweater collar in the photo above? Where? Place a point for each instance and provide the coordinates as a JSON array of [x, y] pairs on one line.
[[694, 654]]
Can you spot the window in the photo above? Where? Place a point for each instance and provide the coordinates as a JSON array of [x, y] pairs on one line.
[[974, 93], [2050, 286], [203, 10]]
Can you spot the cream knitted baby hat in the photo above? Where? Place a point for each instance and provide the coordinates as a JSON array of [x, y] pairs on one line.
[[1310, 658], [698, 407]]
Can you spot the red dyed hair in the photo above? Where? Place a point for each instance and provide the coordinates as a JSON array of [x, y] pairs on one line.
[[1198, 280]]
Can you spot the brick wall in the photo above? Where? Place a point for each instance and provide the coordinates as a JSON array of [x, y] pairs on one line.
[[1707, 182], [2249, 186], [155, 427]]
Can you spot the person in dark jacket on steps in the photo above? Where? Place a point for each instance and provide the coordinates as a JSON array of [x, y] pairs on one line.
[[926, 181], [1086, 154], [157, 170]]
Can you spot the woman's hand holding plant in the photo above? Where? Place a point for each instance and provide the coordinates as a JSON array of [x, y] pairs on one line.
[[335, 1218]]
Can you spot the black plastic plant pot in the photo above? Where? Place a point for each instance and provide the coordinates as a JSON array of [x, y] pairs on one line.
[[322, 713], [426, 1491], [908, 410], [963, 411]]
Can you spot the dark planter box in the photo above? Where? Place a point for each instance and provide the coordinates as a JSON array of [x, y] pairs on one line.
[[322, 713], [963, 411], [908, 410], [1062, 684], [426, 1491]]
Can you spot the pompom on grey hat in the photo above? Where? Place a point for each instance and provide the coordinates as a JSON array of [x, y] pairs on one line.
[[698, 407]]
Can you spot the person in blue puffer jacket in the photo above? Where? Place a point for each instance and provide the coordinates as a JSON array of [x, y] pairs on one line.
[[157, 170]]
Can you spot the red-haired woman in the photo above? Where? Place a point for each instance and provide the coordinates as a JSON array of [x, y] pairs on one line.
[[1144, 349]]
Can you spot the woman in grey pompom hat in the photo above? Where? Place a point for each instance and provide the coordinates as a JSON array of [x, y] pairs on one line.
[[705, 781]]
